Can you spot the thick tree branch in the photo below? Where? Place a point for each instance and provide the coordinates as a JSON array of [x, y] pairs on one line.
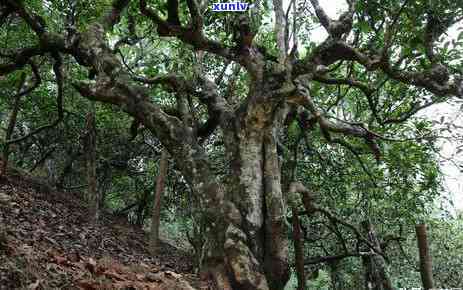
[[190, 35], [304, 99], [328, 259], [325, 21], [280, 28], [345, 81], [196, 17], [335, 28], [57, 69], [35, 22], [206, 92], [436, 79], [36, 83], [20, 59]]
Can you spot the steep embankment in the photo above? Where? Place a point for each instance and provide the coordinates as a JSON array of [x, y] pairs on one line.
[[46, 243]]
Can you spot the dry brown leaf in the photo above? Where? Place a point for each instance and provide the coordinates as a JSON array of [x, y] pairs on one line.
[[91, 265], [114, 275], [60, 260], [34, 285], [87, 285], [173, 274], [74, 257]]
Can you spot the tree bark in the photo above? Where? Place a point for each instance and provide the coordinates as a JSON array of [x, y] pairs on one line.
[[376, 277], [11, 125], [90, 146], [155, 219], [72, 155], [299, 251], [141, 209], [425, 257], [251, 244]]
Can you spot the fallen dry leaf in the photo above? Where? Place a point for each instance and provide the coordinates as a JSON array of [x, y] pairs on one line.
[[114, 275], [34, 285], [87, 285], [91, 265], [173, 274]]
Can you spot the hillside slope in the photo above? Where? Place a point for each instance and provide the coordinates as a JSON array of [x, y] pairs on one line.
[[46, 243]]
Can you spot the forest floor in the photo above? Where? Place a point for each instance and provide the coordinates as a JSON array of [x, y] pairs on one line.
[[47, 243]]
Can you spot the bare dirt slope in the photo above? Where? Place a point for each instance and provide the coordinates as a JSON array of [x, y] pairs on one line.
[[46, 243]]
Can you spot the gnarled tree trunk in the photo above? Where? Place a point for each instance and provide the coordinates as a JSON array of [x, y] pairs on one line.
[[247, 234], [252, 242]]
